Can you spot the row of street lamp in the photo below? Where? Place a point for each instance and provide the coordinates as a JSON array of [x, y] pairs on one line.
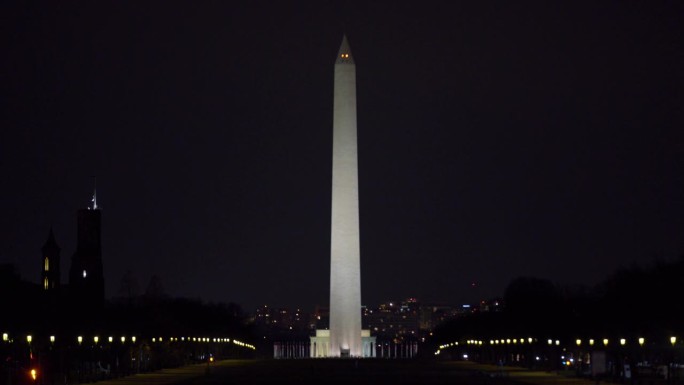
[[550, 342], [79, 339], [110, 339], [623, 341]]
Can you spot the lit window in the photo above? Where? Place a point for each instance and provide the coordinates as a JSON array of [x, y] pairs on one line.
[[47, 264], [45, 283]]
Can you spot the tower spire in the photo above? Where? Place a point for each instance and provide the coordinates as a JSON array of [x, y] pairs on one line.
[[50, 261], [94, 199], [344, 55], [51, 240]]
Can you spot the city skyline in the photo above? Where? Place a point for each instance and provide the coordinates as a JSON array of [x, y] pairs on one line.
[[495, 141]]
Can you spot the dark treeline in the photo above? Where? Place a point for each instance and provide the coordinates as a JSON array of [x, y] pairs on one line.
[[27, 309], [634, 301], [68, 336], [177, 317]]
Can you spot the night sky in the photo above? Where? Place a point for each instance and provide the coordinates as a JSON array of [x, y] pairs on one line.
[[496, 140]]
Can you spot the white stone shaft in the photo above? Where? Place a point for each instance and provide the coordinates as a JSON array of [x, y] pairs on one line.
[[345, 269]]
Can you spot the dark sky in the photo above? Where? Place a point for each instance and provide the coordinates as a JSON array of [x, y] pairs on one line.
[[496, 140]]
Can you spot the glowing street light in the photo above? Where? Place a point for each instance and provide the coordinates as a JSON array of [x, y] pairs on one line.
[[641, 341], [123, 339], [578, 342], [133, 339], [591, 342], [557, 342], [29, 338], [52, 339], [5, 337], [673, 340], [79, 339], [623, 341], [605, 342], [110, 339], [96, 339]]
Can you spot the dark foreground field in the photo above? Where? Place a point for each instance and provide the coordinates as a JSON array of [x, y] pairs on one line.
[[325, 371]]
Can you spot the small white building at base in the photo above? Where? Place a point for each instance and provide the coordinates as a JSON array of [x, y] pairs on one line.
[[320, 345]]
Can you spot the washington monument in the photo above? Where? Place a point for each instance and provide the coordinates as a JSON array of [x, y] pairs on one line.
[[345, 270], [345, 337]]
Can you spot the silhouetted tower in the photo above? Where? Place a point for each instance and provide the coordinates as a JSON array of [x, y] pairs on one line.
[[86, 279], [50, 278]]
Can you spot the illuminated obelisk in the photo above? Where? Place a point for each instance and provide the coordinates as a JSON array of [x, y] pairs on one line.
[[345, 269]]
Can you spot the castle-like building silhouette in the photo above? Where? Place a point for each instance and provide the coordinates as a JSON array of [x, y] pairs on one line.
[[86, 276]]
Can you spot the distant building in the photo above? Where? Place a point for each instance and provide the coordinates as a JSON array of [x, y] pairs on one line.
[[394, 321], [20, 300], [491, 305], [282, 323], [320, 318], [50, 264], [397, 326], [86, 278]]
